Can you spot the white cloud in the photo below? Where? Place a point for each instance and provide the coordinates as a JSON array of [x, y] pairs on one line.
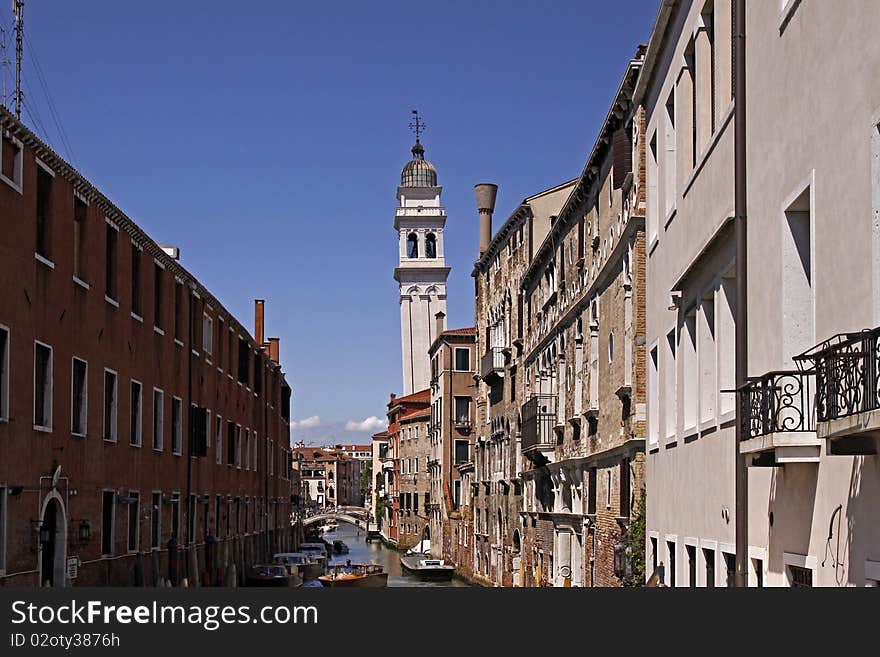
[[308, 423], [371, 423]]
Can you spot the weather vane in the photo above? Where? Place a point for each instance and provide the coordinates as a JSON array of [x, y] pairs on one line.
[[417, 125]]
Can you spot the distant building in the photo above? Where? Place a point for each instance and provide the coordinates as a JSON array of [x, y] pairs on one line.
[[331, 477], [453, 365], [359, 452], [408, 419]]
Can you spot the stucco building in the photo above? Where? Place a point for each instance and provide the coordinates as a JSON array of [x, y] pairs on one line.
[[811, 261], [144, 432]]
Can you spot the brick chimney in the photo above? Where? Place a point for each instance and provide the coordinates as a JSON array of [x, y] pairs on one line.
[[259, 321], [441, 323], [274, 349]]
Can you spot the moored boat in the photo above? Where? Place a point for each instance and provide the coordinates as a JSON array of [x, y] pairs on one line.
[[339, 547], [355, 575], [272, 574], [309, 566], [427, 568]]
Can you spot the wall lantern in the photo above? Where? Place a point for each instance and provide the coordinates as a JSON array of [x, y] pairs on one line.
[[622, 560]]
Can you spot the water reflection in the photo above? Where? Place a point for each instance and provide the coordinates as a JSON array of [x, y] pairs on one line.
[[362, 552]]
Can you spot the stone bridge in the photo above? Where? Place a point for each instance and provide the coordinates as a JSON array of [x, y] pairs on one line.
[[353, 515]]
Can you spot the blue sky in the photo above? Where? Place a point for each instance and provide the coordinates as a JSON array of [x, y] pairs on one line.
[[265, 139]]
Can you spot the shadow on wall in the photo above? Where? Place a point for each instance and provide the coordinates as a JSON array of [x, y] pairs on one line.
[[791, 504], [862, 528]]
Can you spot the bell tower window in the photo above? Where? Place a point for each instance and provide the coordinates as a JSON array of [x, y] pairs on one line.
[[431, 246], [412, 246]]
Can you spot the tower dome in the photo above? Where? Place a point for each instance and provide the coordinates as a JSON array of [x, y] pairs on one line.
[[418, 172]]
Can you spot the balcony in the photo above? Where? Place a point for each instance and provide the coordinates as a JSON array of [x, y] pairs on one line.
[[847, 369], [778, 419], [463, 424], [539, 416], [492, 365]]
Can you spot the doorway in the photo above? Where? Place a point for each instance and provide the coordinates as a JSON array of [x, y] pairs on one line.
[[53, 543]]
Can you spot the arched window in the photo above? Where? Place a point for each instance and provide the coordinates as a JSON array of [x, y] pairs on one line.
[[431, 246], [412, 246]]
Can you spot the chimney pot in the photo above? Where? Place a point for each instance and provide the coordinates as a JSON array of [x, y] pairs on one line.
[[441, 323], [486, 193], [259, 321]]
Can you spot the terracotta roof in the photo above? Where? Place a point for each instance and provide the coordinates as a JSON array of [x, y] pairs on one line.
[[421, 412], [420, 396], [470, 330]]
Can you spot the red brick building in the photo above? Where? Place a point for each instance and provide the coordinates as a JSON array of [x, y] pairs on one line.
[[144, 433], [399, 408]]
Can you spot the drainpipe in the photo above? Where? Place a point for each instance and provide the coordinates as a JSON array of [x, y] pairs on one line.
[[740, 225], [189, 539]]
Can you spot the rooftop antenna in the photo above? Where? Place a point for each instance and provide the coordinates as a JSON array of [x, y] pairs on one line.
[[417, 125], [4, 64], [18, 8]]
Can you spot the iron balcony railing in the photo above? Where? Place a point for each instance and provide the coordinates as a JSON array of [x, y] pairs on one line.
[[538, 420], [492, 363], [847, 369], [777, 402], [463, 424]]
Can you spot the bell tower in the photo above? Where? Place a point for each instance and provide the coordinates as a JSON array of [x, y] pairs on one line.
[[421, 272]]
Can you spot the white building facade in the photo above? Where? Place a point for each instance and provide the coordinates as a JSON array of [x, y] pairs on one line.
[[809, 406]]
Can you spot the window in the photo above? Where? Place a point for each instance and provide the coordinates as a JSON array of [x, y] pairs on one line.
[[4, 373], [670, 552], [11, 161], [175, 515], [689, 379], [254, 461], [652, 175], [709, 558], [217, 515], [230, 443], [668, 393], [158, 272], [799, 570], [624, 488], [110, 405], [462, 360], [135, 416], [462, 451], [42, 386], [79, 397], [220, 343], [158, 419], [134, 529], [654, 555], [462, 410], [431, 246], [591, 492], [191, 520], [44, 213], [219, 438], [2, 529], [669, 166], [244, 361], [691, 552], [412, 246], [247, 449], [136, 280], [758, 565], [608, 478], [258, 374], [178, 310], [730, 568], [653, 398], [156, 521], [108, 512], [208, 335], [110, 256], [238, 446], [798, 299], [80, 211], [707, 358], [176, 426]]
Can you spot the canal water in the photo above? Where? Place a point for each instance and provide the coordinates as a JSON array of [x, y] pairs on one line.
[[362, 552]]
